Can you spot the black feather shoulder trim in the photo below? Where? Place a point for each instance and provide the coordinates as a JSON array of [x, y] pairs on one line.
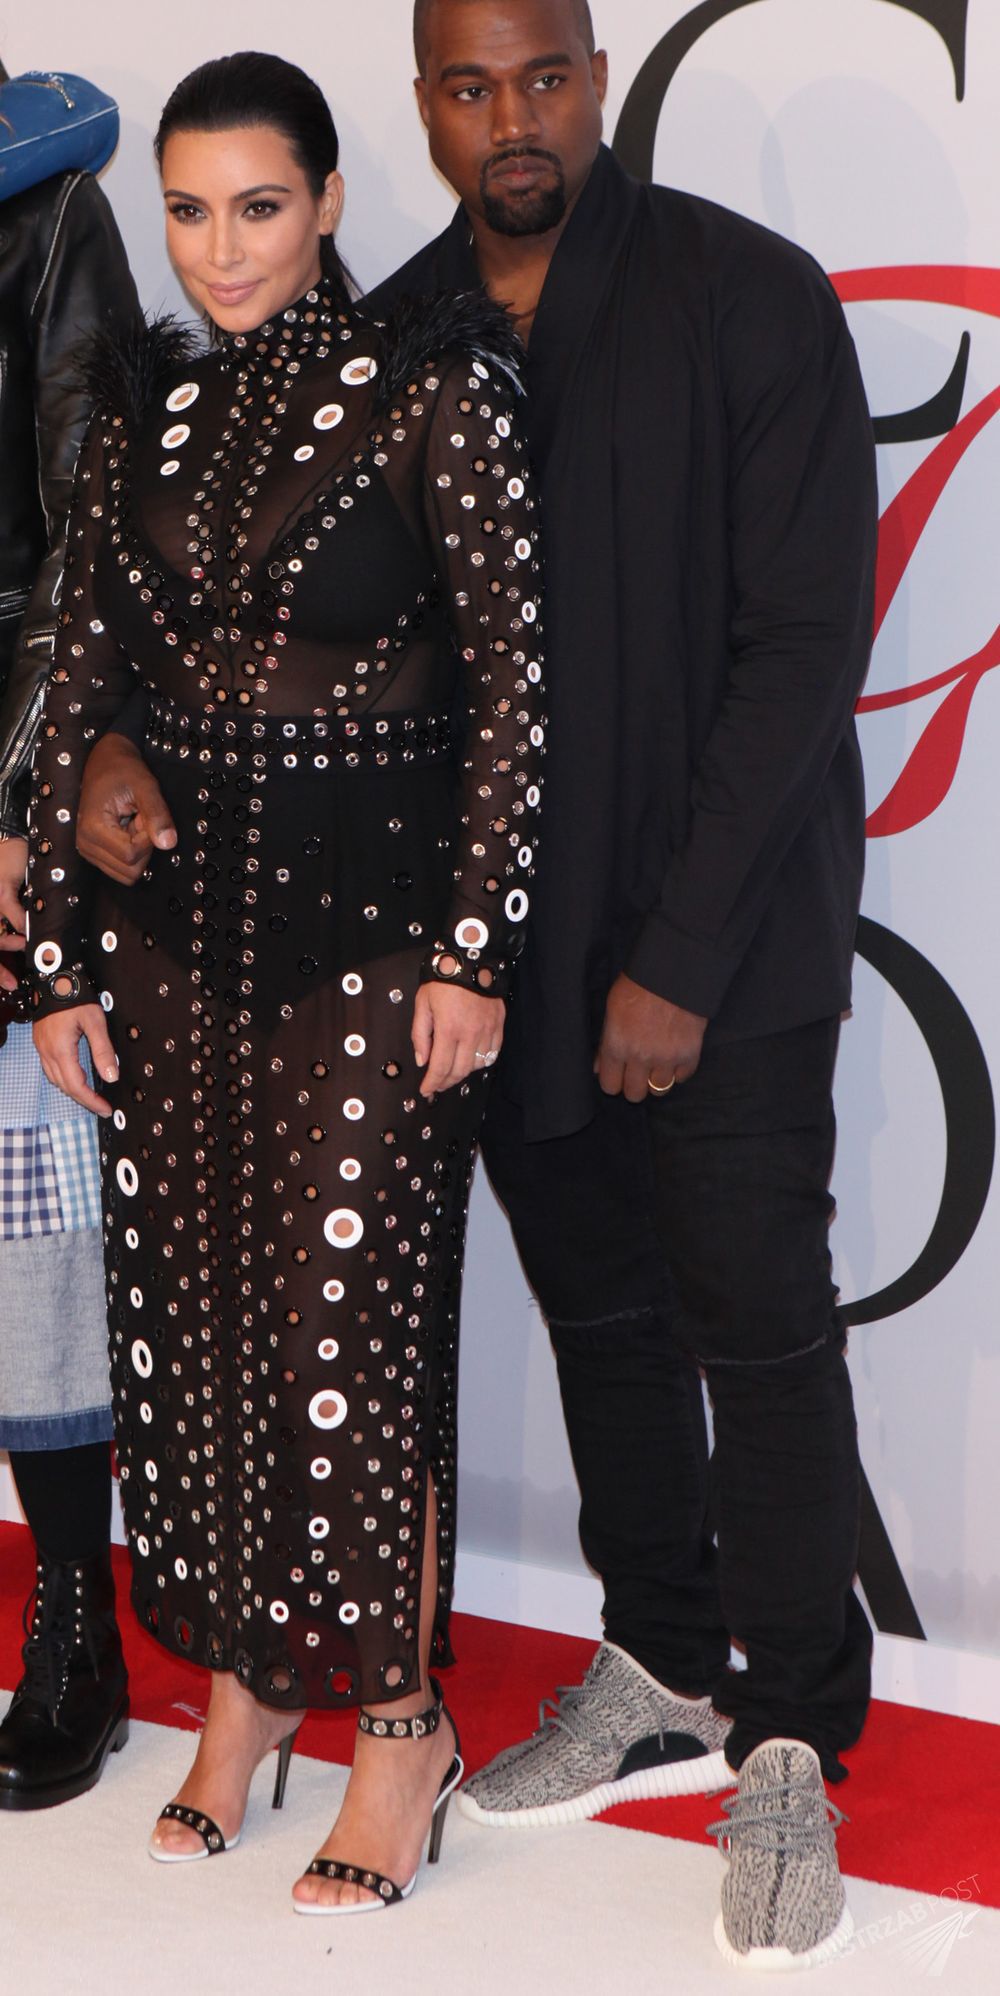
[[122, 371], [416, 331]]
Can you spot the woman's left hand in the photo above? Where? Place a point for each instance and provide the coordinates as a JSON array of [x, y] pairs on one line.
[[455, 1033]]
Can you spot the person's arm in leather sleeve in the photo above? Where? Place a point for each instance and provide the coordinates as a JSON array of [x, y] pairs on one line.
[[86, 286]]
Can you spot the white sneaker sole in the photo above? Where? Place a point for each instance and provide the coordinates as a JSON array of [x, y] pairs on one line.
[[778, 1960], [704, 1776]]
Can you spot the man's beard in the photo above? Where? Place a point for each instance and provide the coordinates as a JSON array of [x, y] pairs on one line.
[[528, 214]]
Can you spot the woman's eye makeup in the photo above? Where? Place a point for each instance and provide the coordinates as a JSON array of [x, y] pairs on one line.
[[255, 211]]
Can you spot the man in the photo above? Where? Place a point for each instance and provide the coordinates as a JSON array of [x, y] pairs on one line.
[[662, 1129]]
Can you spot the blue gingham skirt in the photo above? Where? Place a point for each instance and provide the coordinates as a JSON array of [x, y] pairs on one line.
[[54, 1388]]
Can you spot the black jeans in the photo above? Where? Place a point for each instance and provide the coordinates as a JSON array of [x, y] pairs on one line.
[[687, 1234]]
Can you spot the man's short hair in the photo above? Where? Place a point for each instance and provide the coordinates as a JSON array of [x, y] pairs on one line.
[[421, 15]]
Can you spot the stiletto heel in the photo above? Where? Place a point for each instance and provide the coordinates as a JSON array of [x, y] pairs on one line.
[[389, 1893], [284, 1763], [214, 1842]]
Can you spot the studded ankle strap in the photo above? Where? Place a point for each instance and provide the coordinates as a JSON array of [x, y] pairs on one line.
[[417, 1728]]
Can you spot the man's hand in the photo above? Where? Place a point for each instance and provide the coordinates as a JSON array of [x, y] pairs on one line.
[[646, 1042], [122, 814], [13, 862]]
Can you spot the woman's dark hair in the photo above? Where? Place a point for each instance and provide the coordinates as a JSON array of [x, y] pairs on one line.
[[254, 89]]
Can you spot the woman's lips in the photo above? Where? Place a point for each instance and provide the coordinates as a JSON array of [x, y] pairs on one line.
[[232, 294]]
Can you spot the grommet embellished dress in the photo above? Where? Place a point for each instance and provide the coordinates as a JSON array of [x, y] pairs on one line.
[[316, 548]]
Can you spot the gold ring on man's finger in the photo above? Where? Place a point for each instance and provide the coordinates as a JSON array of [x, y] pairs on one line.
[[665, 1089]]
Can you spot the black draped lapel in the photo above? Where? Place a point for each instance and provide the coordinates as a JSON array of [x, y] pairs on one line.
[[582, 271]]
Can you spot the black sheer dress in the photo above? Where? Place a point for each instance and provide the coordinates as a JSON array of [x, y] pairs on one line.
[[316, 547]]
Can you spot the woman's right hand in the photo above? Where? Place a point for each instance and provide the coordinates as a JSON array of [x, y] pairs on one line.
[[57, 1041]]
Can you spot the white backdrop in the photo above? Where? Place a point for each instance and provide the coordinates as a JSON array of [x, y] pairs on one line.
[[838, 123]]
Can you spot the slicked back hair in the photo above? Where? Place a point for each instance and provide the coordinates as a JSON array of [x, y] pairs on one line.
[[421, 16]]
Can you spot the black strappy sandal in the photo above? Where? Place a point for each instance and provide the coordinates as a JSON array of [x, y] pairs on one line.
[[214, 1842], [388, 1892]]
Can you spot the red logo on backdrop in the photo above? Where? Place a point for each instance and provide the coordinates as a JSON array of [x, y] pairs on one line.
[[930, 769]]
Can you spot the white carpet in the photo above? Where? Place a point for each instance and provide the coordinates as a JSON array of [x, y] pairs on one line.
[[546, 1913]]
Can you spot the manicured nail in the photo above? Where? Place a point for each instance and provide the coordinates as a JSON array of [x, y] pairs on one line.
[[111, 1073]]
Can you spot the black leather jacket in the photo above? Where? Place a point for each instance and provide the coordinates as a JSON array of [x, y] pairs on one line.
[[63, 274]]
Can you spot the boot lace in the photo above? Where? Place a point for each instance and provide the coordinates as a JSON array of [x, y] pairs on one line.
[[51, 1636]]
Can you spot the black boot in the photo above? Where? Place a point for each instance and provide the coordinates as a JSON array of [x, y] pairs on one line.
[[70, 1709]]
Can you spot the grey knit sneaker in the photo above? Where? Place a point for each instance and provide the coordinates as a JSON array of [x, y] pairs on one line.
[[617, 1737], [783, 1902]]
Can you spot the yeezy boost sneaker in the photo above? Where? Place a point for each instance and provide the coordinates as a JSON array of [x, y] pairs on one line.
[[783, 1903], [618, 1737]]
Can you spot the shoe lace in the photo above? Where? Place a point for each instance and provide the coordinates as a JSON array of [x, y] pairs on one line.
[[790, 1828], [50, 1639], [569, 1711]]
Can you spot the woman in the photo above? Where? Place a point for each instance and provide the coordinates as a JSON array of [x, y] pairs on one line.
[[63, 274], [317, 543]]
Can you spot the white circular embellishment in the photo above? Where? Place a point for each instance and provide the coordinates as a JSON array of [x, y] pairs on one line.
[[135, 1298], [472, 934], [321, 1467], [356, 372], [182, 397], [525, 856], [127, 1176], [118, 1120], [131, 1237], [536, 735], [151, 1471], [516, 905], [503, 427], [352, 984], [354, 1110], [142, 1358], [343, 1227], [107, 1001], [180, 1568], [333, 1290], [350, 1612], [304, 453], [177, 435], [533, 796], [279, 1611], [483, 372], [327, 1409], [172, 464], [328, 1348], [328, 417], [319, 1528], [522, 548], [146, 1413], [354, 1045], [350, 1168], [109, 941], [142, 1545], [529, 611], [534, 672], [515, 487], [48, 957]]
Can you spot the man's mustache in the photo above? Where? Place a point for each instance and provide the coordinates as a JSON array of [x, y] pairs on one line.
[[520, 152]]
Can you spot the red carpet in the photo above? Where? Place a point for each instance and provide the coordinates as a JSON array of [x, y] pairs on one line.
[[921, 1796]]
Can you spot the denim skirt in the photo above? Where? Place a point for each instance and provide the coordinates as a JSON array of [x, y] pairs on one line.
[[54, 1382]]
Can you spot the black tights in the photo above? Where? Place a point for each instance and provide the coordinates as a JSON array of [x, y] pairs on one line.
[[66, 1497]]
